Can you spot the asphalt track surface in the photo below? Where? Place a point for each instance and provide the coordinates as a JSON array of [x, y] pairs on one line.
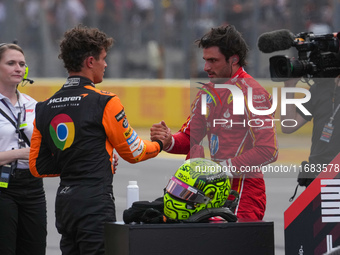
[[153, 175]]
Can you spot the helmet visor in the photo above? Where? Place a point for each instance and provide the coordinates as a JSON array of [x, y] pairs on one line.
[[183, 191]]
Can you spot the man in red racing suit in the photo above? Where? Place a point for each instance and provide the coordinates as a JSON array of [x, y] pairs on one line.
[[241, 143]]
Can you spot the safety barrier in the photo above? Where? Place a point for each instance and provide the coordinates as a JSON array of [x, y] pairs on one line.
[[147, 101]]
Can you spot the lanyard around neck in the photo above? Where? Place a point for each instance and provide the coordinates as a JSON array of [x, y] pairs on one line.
[[7, 106], [22, 138], [16, 118]]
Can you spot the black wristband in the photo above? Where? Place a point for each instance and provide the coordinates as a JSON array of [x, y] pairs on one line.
[[160, 144]]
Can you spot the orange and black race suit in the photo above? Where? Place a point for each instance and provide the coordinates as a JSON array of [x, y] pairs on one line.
[[244, 141], [75, 133]]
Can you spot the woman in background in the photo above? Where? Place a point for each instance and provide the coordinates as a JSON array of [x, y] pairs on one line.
[[22, 196]]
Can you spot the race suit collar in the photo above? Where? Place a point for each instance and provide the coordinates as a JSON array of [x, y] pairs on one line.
[[240, 73], [73, 81]]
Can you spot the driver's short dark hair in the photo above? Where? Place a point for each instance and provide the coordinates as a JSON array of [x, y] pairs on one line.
[[229, 41]]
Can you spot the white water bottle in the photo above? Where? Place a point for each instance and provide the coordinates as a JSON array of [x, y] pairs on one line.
[[132, 193]]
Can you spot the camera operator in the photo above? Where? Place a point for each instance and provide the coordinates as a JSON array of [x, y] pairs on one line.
[[324, 107]]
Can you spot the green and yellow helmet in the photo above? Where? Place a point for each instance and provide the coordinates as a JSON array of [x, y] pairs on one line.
[[198, 184]]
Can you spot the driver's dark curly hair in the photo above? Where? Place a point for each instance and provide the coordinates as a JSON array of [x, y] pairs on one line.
[[229, 41], [81, 42]]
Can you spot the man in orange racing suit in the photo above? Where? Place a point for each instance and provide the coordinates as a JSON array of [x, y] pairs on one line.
[[74, 136], [242, 143]]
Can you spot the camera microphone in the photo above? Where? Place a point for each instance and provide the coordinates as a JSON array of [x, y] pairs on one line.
[[25, 81], [275, 41]]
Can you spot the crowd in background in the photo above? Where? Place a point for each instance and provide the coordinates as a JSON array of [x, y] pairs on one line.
[[153, 38]]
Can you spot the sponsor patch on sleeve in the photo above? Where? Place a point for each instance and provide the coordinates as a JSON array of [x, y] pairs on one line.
[[134, 145], [141, 154], [125, 123], [132, 138], [128, 132], [120, 115], [139, 151]]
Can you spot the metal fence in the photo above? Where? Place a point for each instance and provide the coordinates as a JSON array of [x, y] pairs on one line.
[[154, 38]]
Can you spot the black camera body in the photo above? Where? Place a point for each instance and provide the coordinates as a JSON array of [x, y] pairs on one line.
[[318, 57]]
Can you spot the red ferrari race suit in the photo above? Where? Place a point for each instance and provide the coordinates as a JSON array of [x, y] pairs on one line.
[[244, 142]]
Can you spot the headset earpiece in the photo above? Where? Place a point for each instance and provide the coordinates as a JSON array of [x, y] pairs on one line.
[[26, 71], [25, 78]]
